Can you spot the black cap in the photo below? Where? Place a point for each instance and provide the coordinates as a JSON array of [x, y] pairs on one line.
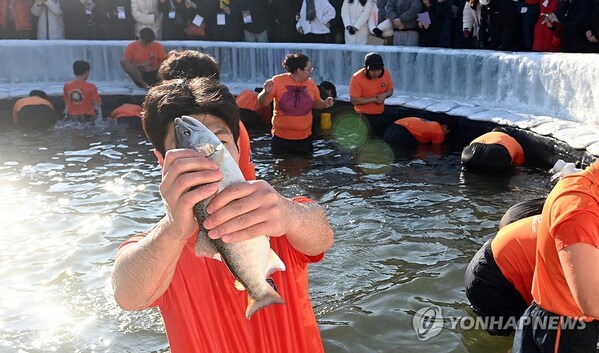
[[373, 61]]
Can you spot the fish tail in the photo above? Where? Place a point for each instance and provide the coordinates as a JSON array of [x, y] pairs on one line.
[[255, 304], [274, 263]]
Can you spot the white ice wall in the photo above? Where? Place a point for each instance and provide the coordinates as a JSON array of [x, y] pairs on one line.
[[564, 86]]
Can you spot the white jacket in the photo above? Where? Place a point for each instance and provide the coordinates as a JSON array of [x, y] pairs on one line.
[[471, 19], [325, 12], [52, 22], [356, 15], [146, 14]]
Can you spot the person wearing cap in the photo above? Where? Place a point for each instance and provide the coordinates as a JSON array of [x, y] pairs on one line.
[[143, 58], [368, 89]]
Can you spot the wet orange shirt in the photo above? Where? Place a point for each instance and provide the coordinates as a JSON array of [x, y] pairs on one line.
[[510, 143], [361, 86], [514, 248], [27, 101], [293, 104], [570, 216], [249, 100], [80, 98], [246, 164], [138, 54], [126, 110], [203, 312], [424, 131]]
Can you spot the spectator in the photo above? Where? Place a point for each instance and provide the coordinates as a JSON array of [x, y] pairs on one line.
[[314, 21], [545, 37], [428, 33], [495, 152], [369, 87], [409, 132], [337, 28], [82, 19], [355, 15], [229, 23], [471, 23], [402, 14], [143, 58], [174, 19], [81, 97], [592, 29], [284, 15], [379, 25], [255, 20], [118, 20], [564, 285], [34, 112], [491, 30], [49, 23], [146, 14], [201, 20], [295, 95], [572, 15], [15, 19]]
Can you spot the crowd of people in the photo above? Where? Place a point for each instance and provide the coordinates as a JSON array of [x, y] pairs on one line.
[[521, 25]]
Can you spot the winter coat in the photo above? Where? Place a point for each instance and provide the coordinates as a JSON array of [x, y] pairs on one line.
[[50, 24], [325, 12], [21, 15], [471, 19], [406, 10], [357, 16], [146, 14]]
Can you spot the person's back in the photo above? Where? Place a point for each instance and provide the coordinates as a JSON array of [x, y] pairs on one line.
[[81, 97], [412, 131], [34, 112], [494, 152], [142, 59]]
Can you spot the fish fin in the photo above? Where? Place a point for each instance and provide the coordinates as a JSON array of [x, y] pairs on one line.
[[239, 286], [205, 248], [274, 263], [270, 297]]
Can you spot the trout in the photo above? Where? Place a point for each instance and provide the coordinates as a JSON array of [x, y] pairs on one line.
[[250, 261]]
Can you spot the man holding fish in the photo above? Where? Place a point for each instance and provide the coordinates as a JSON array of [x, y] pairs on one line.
[[226, 248]]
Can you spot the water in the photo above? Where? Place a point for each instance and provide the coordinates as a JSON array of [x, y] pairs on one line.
[[404, 235]]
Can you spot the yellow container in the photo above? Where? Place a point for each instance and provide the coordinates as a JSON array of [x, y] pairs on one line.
[[325, 121]]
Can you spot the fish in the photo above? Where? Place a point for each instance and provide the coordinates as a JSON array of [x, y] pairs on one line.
[[250, 261]]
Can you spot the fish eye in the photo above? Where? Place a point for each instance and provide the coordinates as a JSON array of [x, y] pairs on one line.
[[186, 132]]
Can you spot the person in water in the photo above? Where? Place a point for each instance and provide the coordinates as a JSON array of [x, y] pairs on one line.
[[495, 152], [411, 131], [34, 112], [201, 308], [81, 98]]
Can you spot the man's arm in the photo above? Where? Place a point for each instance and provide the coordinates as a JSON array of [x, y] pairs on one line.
[[580, 263], [252, 209], [265, 93], [143, 270]]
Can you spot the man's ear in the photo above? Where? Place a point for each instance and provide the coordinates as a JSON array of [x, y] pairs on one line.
[[159, 157]]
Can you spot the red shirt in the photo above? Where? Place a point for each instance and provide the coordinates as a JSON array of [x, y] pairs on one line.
[[203, 312], [510, 143], [246, 164], [424, 131], [570, 216], [80, 98], [28, 101], [362, 86], [126, 111], [138, 54]]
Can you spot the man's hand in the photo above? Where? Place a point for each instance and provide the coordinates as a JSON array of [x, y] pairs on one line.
[[247, 210], [187, 178], [397, 23]]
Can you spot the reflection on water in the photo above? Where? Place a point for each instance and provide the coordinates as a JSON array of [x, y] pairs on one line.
[[70, 196]]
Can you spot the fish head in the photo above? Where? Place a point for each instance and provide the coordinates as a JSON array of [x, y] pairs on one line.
[[191, 133]]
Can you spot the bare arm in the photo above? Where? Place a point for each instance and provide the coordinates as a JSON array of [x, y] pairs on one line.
[[580, 263], [379, 98], [251, 209], [323, 104], [143, 271], [263, 95]]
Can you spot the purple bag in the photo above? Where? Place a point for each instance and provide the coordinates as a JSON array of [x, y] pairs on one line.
[[296, 101]]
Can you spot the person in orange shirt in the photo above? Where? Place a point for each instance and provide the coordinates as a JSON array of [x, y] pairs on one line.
[[495, 152], [143, 58], [411, 131], [499, 276], [295, 95], [563, 315], [127, 113], [81, 98], [201, 307], [34, 112], [368, 89], [253, 114]]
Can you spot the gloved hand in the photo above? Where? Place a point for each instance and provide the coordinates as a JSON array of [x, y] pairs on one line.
[[467, 33], [351, 30]]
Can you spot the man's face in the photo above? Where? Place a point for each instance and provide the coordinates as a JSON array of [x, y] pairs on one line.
[[375, 73], [214, 124]]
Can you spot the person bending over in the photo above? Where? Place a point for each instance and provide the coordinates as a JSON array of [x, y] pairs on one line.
[[201, 308], [495, 152], [409, 132]]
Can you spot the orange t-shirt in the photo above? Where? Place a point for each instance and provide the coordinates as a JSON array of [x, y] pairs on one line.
[[294, 101], [203, 312], [510, 143], [424, 131], [138, 54], [249, 100], [126, 110], [570, 216], [27, 101], [514, 248], [80, 98], [246, 164], [361, 86]]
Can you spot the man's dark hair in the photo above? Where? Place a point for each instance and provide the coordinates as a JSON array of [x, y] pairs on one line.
[[147, 35], [170, 99], [38, 93], [80, 67], [329, 86], [188, 64], [292, 62]]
